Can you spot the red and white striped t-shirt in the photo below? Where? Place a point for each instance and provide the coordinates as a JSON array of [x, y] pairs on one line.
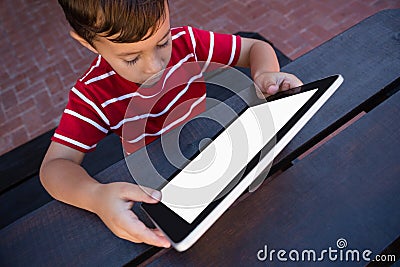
[[102, 101]]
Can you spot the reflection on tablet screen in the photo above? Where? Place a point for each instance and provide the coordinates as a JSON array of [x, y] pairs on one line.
[[191, 190]]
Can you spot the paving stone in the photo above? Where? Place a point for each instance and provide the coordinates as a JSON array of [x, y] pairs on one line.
[[40, 59]]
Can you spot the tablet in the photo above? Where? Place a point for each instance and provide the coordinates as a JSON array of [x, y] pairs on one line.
[[183, 220]]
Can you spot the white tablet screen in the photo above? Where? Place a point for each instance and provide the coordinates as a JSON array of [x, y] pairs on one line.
[[204, 178]]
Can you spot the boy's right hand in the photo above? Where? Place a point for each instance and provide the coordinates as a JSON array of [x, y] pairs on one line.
[[115, 201]]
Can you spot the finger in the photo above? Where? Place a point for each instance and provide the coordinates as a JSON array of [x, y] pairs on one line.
[[293, 81], [158, 232], [152, 238], [285, 86], [134, 230], [140, 193], [140, 233], [260, 94], [259, 90]]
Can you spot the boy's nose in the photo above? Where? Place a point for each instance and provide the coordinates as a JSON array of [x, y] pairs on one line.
[[153, 66]]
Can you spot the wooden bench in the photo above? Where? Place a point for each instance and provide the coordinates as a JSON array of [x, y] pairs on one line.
[[19, 171], [320, 191]]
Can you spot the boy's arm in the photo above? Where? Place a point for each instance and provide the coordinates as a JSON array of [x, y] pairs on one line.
[[64, 178], [260, 57]]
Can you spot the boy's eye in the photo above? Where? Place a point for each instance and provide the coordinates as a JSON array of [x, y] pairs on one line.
[[164, 44], [132, 62]]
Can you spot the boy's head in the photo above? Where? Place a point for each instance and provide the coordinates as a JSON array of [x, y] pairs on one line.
[[132, 35]]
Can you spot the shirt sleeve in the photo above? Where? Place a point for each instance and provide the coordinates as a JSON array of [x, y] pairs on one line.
[[83, 124], [215, 47]]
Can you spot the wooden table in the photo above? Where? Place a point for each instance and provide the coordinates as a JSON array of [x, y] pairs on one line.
[[322, 190]]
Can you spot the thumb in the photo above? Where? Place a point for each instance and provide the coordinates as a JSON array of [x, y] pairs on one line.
[[267, 87], [272, 89], [135, 192]]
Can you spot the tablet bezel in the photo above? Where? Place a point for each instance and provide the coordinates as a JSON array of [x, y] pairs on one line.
[[177, 229]]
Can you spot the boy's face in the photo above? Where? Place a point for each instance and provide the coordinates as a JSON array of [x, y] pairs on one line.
[[139, 61]]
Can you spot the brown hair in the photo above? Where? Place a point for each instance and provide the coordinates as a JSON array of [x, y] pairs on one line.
[[128, 21]]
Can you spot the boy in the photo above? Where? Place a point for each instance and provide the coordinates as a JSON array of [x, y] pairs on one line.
[[134, 42]]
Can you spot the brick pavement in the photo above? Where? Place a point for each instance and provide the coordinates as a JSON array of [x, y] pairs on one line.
[[40, 63]]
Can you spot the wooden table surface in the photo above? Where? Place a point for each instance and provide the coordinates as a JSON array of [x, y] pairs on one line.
[[346, 188], [326, 196]]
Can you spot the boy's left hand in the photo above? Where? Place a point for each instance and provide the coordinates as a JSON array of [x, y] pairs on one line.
[[272, 82]]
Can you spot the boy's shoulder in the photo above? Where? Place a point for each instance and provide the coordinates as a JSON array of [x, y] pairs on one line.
[[100, 83], [186, 39], [187, 33], [99, 68], [180, 35]]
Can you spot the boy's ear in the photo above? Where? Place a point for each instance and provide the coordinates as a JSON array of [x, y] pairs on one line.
[[83, 41]]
